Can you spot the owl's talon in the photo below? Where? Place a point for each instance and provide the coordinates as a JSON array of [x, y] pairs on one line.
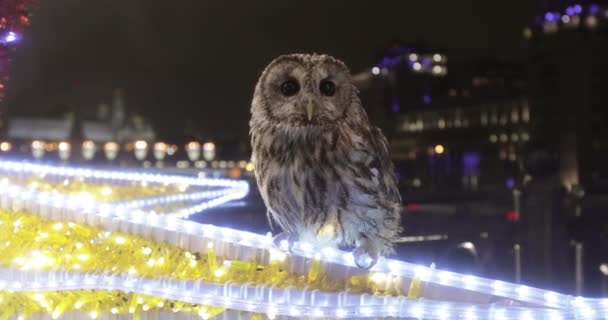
[[284, 241], [365, 255]]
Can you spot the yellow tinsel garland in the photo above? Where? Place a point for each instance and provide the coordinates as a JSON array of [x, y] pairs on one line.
[[97, 191], [30, 242]]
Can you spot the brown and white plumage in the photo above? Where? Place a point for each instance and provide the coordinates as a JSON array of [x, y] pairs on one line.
[[323, 171]]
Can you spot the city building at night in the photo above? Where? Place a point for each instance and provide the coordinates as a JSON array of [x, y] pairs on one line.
[[527, 137], [567, 229], [458, 135], [568, 69], [459, 128], [101, 125]]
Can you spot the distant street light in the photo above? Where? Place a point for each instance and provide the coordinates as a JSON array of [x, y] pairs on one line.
[[604, 268], [6, 146], [160, 150], [88, 149], [439, 149], [141, 149], [38, 149], [209, 151], [469, 246], [111, 150], [64, 149], [193, 149]]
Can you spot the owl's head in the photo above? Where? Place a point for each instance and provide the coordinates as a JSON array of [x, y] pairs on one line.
[[305, 90]]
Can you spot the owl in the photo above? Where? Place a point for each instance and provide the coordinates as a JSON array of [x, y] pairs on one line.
[[322, 169]]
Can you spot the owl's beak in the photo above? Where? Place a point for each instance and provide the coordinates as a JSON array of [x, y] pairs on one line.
[[309, 109]]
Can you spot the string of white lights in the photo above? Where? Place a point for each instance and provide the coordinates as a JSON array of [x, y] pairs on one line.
[[232, 189], [174, 198], [273, 301], [218, 197], [152, 314], [169, 227], [117, 175]]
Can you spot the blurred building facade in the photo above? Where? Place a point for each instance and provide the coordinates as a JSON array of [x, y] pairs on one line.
[[105, 124], [568, 72], [529, 137], [456, 126]]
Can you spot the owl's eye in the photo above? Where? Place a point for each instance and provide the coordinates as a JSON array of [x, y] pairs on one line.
[[327, 88], [290, 88]]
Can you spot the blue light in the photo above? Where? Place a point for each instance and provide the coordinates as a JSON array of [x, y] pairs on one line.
[[390, 62], [510, 183], [395, 107], [426, 99], [570, 11], [549, 16], [578, 8], [470, 163], [426, 63], [10, 37], [594, 9]]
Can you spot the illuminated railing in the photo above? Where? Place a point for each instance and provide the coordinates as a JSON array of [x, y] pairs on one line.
[[160, 155], [444, 294], [223, 190]]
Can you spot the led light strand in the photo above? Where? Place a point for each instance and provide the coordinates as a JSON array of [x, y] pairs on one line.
[[117, 175], [233, 189], [481, 285], [170, 199], [270, 300], [248, 239], [445, 278]]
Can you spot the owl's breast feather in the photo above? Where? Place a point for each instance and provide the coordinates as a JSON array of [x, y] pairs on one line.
[[305, 166]]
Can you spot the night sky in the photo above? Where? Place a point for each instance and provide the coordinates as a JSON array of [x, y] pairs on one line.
[[194, 63]]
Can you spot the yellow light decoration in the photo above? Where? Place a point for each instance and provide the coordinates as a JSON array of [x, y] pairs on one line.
[[90, 249], [100, 192], [415, 290], [106, 193], [94, 302], [314, 270]]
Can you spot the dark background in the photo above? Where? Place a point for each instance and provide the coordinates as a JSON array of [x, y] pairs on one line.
[[194, 63]]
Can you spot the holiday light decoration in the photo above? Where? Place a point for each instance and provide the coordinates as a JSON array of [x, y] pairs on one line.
[[82, 248], [170, 194], [88, 249], [14, 18], [232, 271]]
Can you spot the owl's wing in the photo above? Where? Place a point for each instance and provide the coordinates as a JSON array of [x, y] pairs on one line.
[[388, 180], [375, 168]]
